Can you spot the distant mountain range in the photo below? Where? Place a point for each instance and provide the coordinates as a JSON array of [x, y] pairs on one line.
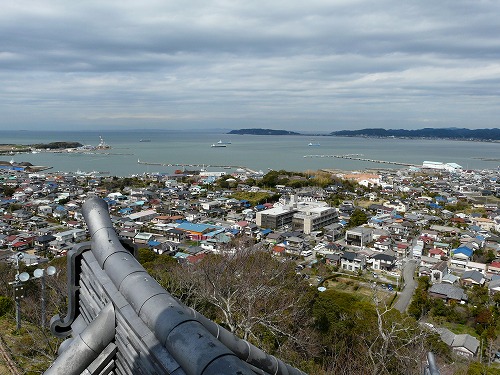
[[439, 133], [448, 133], [263, 132]]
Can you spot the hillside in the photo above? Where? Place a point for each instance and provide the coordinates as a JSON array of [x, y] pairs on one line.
[[258, 131], [444, 133]]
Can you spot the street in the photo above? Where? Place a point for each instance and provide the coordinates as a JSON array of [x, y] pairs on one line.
[[409, 286]]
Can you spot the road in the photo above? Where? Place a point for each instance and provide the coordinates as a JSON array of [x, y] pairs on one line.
[[410, 285]]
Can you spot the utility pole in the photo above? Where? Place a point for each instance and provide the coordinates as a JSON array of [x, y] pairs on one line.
[[18, 285], [40, 273]]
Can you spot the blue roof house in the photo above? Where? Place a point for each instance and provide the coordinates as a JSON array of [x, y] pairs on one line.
[[462, 252]]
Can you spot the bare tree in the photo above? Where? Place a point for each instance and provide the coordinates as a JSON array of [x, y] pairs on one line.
[[398, 342], [255, 296]]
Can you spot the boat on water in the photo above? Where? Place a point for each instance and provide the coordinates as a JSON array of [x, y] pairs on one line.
[[218, 145], [314, 144], [223, 143], [144, 140], [102, 145]]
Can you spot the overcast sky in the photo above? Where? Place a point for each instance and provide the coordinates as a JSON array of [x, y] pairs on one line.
[[298, 65]]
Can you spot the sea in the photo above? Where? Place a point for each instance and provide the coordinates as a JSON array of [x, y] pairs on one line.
[[135, 152]]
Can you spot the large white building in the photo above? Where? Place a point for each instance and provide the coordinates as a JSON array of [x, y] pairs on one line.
[[304, 213], [449, 167], [275, 217], [310, 219]]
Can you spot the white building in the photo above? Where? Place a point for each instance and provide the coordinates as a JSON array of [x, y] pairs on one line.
[[311, 219], [449, 167], [73, 235]]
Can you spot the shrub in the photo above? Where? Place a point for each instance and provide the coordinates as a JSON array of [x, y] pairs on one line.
[[6, 305]]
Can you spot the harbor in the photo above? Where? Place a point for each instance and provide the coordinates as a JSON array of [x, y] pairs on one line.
[[202, 166]]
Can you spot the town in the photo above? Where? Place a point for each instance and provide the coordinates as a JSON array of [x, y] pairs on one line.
[[434, 228]]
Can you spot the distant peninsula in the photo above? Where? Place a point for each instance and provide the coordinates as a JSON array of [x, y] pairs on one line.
[[259, 131], [57, 145], [17, 148], [441, 133]]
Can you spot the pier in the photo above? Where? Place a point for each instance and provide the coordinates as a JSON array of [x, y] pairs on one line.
[[359, 157]]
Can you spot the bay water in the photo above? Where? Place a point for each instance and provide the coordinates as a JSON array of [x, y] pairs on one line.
[[260, 153]]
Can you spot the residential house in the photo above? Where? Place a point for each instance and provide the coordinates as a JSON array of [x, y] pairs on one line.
[[21, 215], [437, 253], [175, 235], [72, 235], [401, 249], [240, 225], [483, 223], [209, 206], [195, 231], [60, 212], [494, 284], [445, 247], [274, 238], [332, 259], [476, 266], [359, 236], [494, 268], [279, 250], [384, 243], [294, 244], [429, 261], [351, 261], [431, 234], [464, 345], [42, 243], [472, 278], [448, 293], [439, 271], [461, 256], [417, 250], [333, 231], [127, 235], [143, 238], [383, 262], [252, 230], [142, 216], [44, 210]]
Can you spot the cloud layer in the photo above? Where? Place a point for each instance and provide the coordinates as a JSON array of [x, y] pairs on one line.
[[324, 65]]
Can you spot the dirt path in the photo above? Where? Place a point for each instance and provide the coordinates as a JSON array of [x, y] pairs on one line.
[[7, 365]]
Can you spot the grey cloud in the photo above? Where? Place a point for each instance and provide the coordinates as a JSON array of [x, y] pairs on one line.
[[345, 62]]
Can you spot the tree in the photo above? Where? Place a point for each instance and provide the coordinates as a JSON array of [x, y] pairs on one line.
[[358, 217], [398, 343], [360, 337], [6, 305], [254, 296], [7, 191], [270, 179], [420, 303]]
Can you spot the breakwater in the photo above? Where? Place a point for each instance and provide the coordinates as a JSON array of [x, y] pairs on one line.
[[359, 157]]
